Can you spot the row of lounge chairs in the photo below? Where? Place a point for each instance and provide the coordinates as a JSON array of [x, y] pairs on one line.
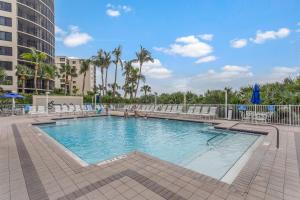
[[208, 111], [65, 109]]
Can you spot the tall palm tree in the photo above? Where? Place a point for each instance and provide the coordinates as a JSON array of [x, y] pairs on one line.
[[73, 74], [37, 59], [146, 89], [117, 52], [98, 62], [134, 76], [142, 57], [84, 67], [106, 63], [65, 70], [127, 68], [49, 72], [23, 72]]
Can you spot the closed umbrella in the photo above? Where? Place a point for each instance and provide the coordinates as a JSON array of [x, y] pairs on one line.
[[12, 96], [255, 99]]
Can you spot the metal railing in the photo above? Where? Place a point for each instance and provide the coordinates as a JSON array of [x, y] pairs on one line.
[[265, 114]]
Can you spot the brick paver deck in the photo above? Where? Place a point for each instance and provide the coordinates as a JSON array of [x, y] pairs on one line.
[[33, 167]]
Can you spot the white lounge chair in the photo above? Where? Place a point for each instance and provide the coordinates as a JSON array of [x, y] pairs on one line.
[[41, 110], [65, 109], [197, 110], [84, 109], [162, 109], [78, 109], [90, 108], [212, 112], [32, 110], [190, 111], [169, 109], [204, 110], [179, 109], [72, 109], [57, 109]]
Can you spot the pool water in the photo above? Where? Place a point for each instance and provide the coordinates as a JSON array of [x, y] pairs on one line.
[[182, 143]]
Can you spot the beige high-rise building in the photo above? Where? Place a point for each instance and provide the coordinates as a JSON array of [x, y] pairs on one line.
[[77, 83], [25, 24]]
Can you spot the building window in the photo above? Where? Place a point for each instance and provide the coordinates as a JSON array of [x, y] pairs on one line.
[[74, 62], [5, 6], [7, 81], [5, 21], [7, 65], [5, 36], [5, 51], [62, 59]]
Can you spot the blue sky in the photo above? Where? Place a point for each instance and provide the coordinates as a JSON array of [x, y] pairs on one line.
[[197, 44]]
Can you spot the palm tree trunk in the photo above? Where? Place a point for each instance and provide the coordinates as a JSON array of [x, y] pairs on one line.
[[102, 79], [35, 79], [83, 84], [138, 82], [66, 84], [125, 85], [106, 81], [116, 74], [23, 85], [47, 85], [71, 86]]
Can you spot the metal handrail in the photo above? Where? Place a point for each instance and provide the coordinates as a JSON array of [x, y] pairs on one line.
[[277, 130]]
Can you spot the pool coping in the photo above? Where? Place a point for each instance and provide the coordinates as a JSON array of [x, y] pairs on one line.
[[84, 164]]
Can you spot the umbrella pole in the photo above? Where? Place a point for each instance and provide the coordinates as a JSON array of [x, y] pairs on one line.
[[13, 106]]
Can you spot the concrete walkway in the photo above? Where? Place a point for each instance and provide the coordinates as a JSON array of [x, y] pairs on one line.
[[34, 167]]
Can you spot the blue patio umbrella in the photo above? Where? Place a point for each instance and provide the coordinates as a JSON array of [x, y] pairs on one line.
[[12, 96], [255, 99]]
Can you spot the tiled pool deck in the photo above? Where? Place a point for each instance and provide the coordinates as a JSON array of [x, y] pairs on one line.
[[34, 167]]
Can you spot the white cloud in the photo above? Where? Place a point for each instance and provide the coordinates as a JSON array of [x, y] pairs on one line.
[[206, 37], [227, 73], [188, 39], [238, 43], [206, 59], [155, 70], [187, 46], [286, 70], [113, 13], [72, 38], [117, 10], [261, 37]]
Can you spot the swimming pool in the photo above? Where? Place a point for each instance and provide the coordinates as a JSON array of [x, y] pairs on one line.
[[183, 143]]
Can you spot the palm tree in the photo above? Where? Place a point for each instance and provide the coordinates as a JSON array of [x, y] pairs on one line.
[[146, 89], [105, 65], [128, 67], [37, 59], [134, 76], [23, 72], [73, 74], [49, 72], [84, 67], [117, 52], [142, 57], [98, 62], [65, 70]]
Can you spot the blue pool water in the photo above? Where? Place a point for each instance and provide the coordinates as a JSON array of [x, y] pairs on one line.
[[183, 143]]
